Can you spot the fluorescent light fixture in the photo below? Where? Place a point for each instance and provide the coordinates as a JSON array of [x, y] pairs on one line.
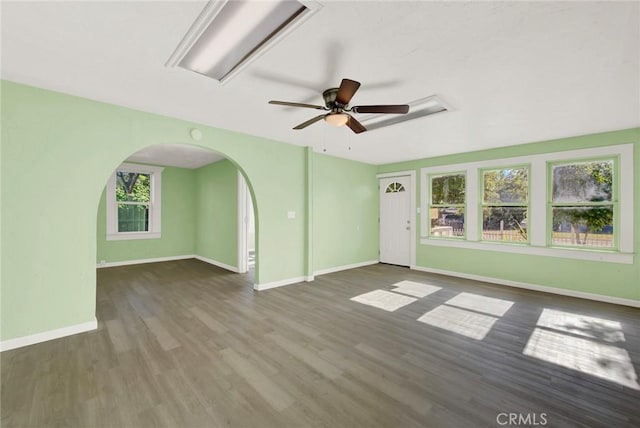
[[336, 119], [418, 108], [229, 34]]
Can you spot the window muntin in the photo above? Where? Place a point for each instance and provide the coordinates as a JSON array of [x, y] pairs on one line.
[[133, 202], [447, 205], [583, 206], [505, 204]]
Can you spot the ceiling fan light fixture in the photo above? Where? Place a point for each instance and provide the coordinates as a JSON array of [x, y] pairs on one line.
[[337, 119]]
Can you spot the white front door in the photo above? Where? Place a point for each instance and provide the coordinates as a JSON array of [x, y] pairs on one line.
[[395, 220]]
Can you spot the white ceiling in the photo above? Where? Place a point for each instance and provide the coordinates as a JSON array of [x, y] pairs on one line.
[[179, 155], [514, 72]]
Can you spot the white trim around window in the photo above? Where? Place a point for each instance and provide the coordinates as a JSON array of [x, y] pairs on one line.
[[538, 205], [155, 203]]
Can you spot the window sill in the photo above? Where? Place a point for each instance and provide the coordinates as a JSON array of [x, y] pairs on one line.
[[124, 236], [566, 253]]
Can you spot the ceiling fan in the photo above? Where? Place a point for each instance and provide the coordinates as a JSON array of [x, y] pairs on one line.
[[336, 102]]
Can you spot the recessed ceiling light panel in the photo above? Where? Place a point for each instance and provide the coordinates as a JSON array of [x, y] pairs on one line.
[[229, 34], [418, 108]]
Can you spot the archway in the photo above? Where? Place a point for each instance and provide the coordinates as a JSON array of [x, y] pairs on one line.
[[176, 201]]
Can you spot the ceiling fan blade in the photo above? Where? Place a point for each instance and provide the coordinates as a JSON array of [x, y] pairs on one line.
[[310, 121], [347, 89], [397, 109], [286, 103], [355, 126]]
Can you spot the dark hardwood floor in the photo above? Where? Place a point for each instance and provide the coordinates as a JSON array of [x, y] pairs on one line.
[[186, 344]]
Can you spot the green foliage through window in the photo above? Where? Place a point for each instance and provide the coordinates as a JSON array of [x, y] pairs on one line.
[[133, 193], [133, 187], [447, 208], [505, 204], [582, 204], [448, 189]]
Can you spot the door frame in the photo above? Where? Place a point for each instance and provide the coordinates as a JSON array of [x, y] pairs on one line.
[[244, 200], [414, 227]]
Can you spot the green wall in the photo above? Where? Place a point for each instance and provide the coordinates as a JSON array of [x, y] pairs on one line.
[[199, 216], [345, 212], [216, 212], [178, 223], [58, 152], [609, 279]]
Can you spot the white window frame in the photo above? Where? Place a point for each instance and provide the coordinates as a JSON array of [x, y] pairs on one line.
[[155, 204], [538, 221], [483, 204], [430, 205], [614, 202]]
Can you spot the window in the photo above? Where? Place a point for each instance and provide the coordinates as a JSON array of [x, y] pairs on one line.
[[582, 205], [559, 204], [505, 204], [394, 188], [447, 205], [133, 202]]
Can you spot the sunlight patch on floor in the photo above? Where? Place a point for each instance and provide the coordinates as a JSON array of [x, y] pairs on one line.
[[460, 321], [384, 300], [587, 356], [582, 325], [487, 305], [415, 289]]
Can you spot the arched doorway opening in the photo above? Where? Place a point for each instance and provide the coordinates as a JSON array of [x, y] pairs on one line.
[[178, 201]]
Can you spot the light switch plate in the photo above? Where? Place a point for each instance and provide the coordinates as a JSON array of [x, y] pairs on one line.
[[291, 214]]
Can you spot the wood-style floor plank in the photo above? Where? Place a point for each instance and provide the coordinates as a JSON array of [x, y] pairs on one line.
[[186, 344]]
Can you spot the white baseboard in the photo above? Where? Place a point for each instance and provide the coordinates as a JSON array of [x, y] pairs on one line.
[[258, 287], [141, 261], [216, 263], [280, 283], [32, 339], [169, 259], [345, 267], [536, 287], [274, 284]]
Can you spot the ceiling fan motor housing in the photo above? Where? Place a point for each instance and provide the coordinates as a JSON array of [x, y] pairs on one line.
[[330, 98]]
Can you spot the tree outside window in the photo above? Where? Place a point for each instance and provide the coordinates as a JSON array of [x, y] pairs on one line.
[[505, 204], [447, 205], [583, 204], [133, 193]]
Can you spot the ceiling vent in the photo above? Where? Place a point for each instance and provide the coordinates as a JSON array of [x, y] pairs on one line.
[[230, 34], [418, 108]]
